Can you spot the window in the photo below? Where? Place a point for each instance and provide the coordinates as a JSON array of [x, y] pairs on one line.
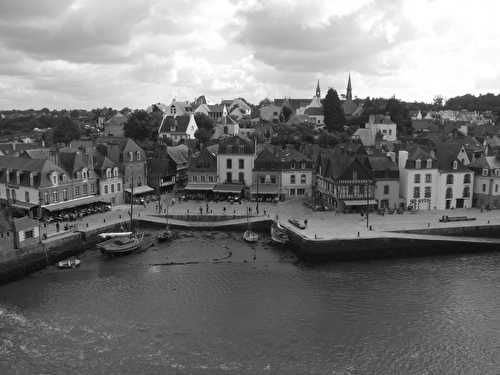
[[241, 163], [301, 191], [449, 193], [28, 234], [386, 189], [417, 178], [273, 179], [84, 174], [455, 164], [484, 188], [77, 191], [105, 189], [303, 179], [292, 165], [54, 196], [416, 192], [418, 164], [138, 155], [130, 156], [112, 188], [428, 178], [225, 129], [92, 188], [485, 172], [241, 149], [118, 186], [229, 164], [108, 173], [466, 192], [427, 192], [229, 177], [467, 178], [27, 196], [65, 194], [497, 172], [85, 189], [115, 172], [202, 178], [350, 189], [496, 188], [361, 189], [54, 178], [241, 177], [292, 179], [292, 192], [449, 179], [262, 179], [13, 194]]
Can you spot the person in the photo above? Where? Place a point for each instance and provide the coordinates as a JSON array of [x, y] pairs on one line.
[[57, 227], [224, 209], [172, 201], [305, 222], [201, 210], [207, 208]]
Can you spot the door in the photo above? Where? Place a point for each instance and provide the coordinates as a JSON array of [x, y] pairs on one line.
[[460, 203], [448, 204]]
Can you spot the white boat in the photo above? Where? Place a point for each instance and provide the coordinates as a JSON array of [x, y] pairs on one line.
[[68, 263], [278, 233], [107, 236], [250, 236], [122, 246]]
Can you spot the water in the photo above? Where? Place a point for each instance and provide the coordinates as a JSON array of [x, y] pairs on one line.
[[269, 316]]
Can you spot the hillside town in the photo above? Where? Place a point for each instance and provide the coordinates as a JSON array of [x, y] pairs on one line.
[[329, 153]]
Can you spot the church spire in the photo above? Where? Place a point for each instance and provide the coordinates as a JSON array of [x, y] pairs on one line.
[[349, 89], [318, 90]]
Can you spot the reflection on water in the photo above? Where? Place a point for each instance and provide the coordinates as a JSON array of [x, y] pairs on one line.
[[240, 316]]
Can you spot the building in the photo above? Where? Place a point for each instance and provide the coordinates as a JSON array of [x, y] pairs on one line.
[[114, 127], [342, 179], [314, 110], [267, 172], [26, 232], [270, 113], [177, 129], [213, 111], [296, 173], [385, 173], [227, 127], [419, 178], [486, 192], [202, 173], [179, 108], [235, 162], [110, 180], [131, 161]]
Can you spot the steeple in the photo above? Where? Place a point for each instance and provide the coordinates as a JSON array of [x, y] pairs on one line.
[[318, 90], [349, 89]]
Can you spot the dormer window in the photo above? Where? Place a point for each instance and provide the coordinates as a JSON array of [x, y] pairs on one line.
[[485, 172], [429, 164], [293, 164], [455, 164], [497, 172], [130, 156], [108, 173], [84, 174], [172, 110], [138, 155], [53, 178], [115, 171], [418, 164]]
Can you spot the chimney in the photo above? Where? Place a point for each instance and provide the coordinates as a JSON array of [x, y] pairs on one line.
[[403, 157]]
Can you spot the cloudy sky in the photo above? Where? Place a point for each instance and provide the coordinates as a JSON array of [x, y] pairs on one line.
[[94, 53]]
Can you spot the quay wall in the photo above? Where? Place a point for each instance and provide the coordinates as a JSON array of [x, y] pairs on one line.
[[261, 226], [490, 231], [393, 247]]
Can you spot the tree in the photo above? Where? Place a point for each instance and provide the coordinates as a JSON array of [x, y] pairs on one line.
[[65, 131], [438, 101], [286, 112], [399, 114], [332, 109], [203, 135], [140, 126], [204, 122]]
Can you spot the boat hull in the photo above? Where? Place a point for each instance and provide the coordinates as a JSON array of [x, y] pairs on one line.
[[278, 234]]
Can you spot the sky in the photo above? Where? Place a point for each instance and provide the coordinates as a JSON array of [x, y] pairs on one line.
[[93, 53]]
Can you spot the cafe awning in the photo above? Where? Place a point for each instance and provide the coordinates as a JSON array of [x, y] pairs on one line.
[[360, 202], [228, 188], [141, 189], [199, 187], [23, 205], [265, 189], [72, 203]]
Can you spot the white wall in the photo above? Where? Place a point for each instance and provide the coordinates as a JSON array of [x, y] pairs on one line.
[[458, 188], [286, 184], [21, 193], [407, 185], [247, 170]]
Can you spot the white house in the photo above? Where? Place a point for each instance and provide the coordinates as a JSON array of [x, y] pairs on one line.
[[177, 128], [235, 161], [419, 178]]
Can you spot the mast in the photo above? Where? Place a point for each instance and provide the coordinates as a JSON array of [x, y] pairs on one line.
[[132, 204]]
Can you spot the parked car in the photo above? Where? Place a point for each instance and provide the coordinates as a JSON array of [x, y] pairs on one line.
[[297, 222]]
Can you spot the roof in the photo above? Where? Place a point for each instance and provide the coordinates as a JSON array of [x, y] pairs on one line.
[[236, 144], [176, 124], [488, 162], [71, 160], [349, 107], [267, 160], [382, 163], [24, 222], [314, 111], [102, 162], [203, 161], [179, 154]]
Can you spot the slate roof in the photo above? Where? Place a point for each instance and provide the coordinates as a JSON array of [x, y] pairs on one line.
[[204, 161], [233, 145], [349, 107], [24, 223], [179, 124], [179, 154], [267, 161], [41, 167], [488, 162]]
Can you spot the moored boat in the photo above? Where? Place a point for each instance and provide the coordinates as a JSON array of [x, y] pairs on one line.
[[122, 245], [68, 263], [250, 236], [166, 235], [278, 233]]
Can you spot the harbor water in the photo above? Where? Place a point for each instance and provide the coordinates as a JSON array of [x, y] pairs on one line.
[[208, 303]]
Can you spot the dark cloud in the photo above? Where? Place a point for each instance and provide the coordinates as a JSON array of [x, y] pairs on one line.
[[343, 43]]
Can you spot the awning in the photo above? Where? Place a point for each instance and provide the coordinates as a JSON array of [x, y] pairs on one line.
[[200, 187], [72, 203], [228, 188], [140, 189], [265, 189], [23, 205], [360, 202]]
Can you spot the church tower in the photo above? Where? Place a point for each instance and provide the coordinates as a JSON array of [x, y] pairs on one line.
[[318, 90], [349, 89]]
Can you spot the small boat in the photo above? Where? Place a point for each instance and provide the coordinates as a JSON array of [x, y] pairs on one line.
[[165, 235], [108, 235], [278, 233], [68, 263], [122, 246], [250, 236]]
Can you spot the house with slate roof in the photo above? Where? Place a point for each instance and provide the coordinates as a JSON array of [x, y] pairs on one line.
[[110, 180], [386, 176], [177, 129], [202, 173], [267, 170], [342, 179], [486, 182]]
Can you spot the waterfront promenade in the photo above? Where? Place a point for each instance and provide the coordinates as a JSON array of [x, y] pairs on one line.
[[321, 225]]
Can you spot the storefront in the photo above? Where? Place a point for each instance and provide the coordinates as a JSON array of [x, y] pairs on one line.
[[139, 192], [199, 191], [225, 191], [72, 209], [265, 192], [358, 205]]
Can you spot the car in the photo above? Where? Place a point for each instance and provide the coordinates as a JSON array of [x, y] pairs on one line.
[[297, 222]]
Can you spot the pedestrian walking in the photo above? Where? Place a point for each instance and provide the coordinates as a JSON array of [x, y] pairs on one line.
[[201, 210], [305, 222], [207, 208], [224, 209]]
